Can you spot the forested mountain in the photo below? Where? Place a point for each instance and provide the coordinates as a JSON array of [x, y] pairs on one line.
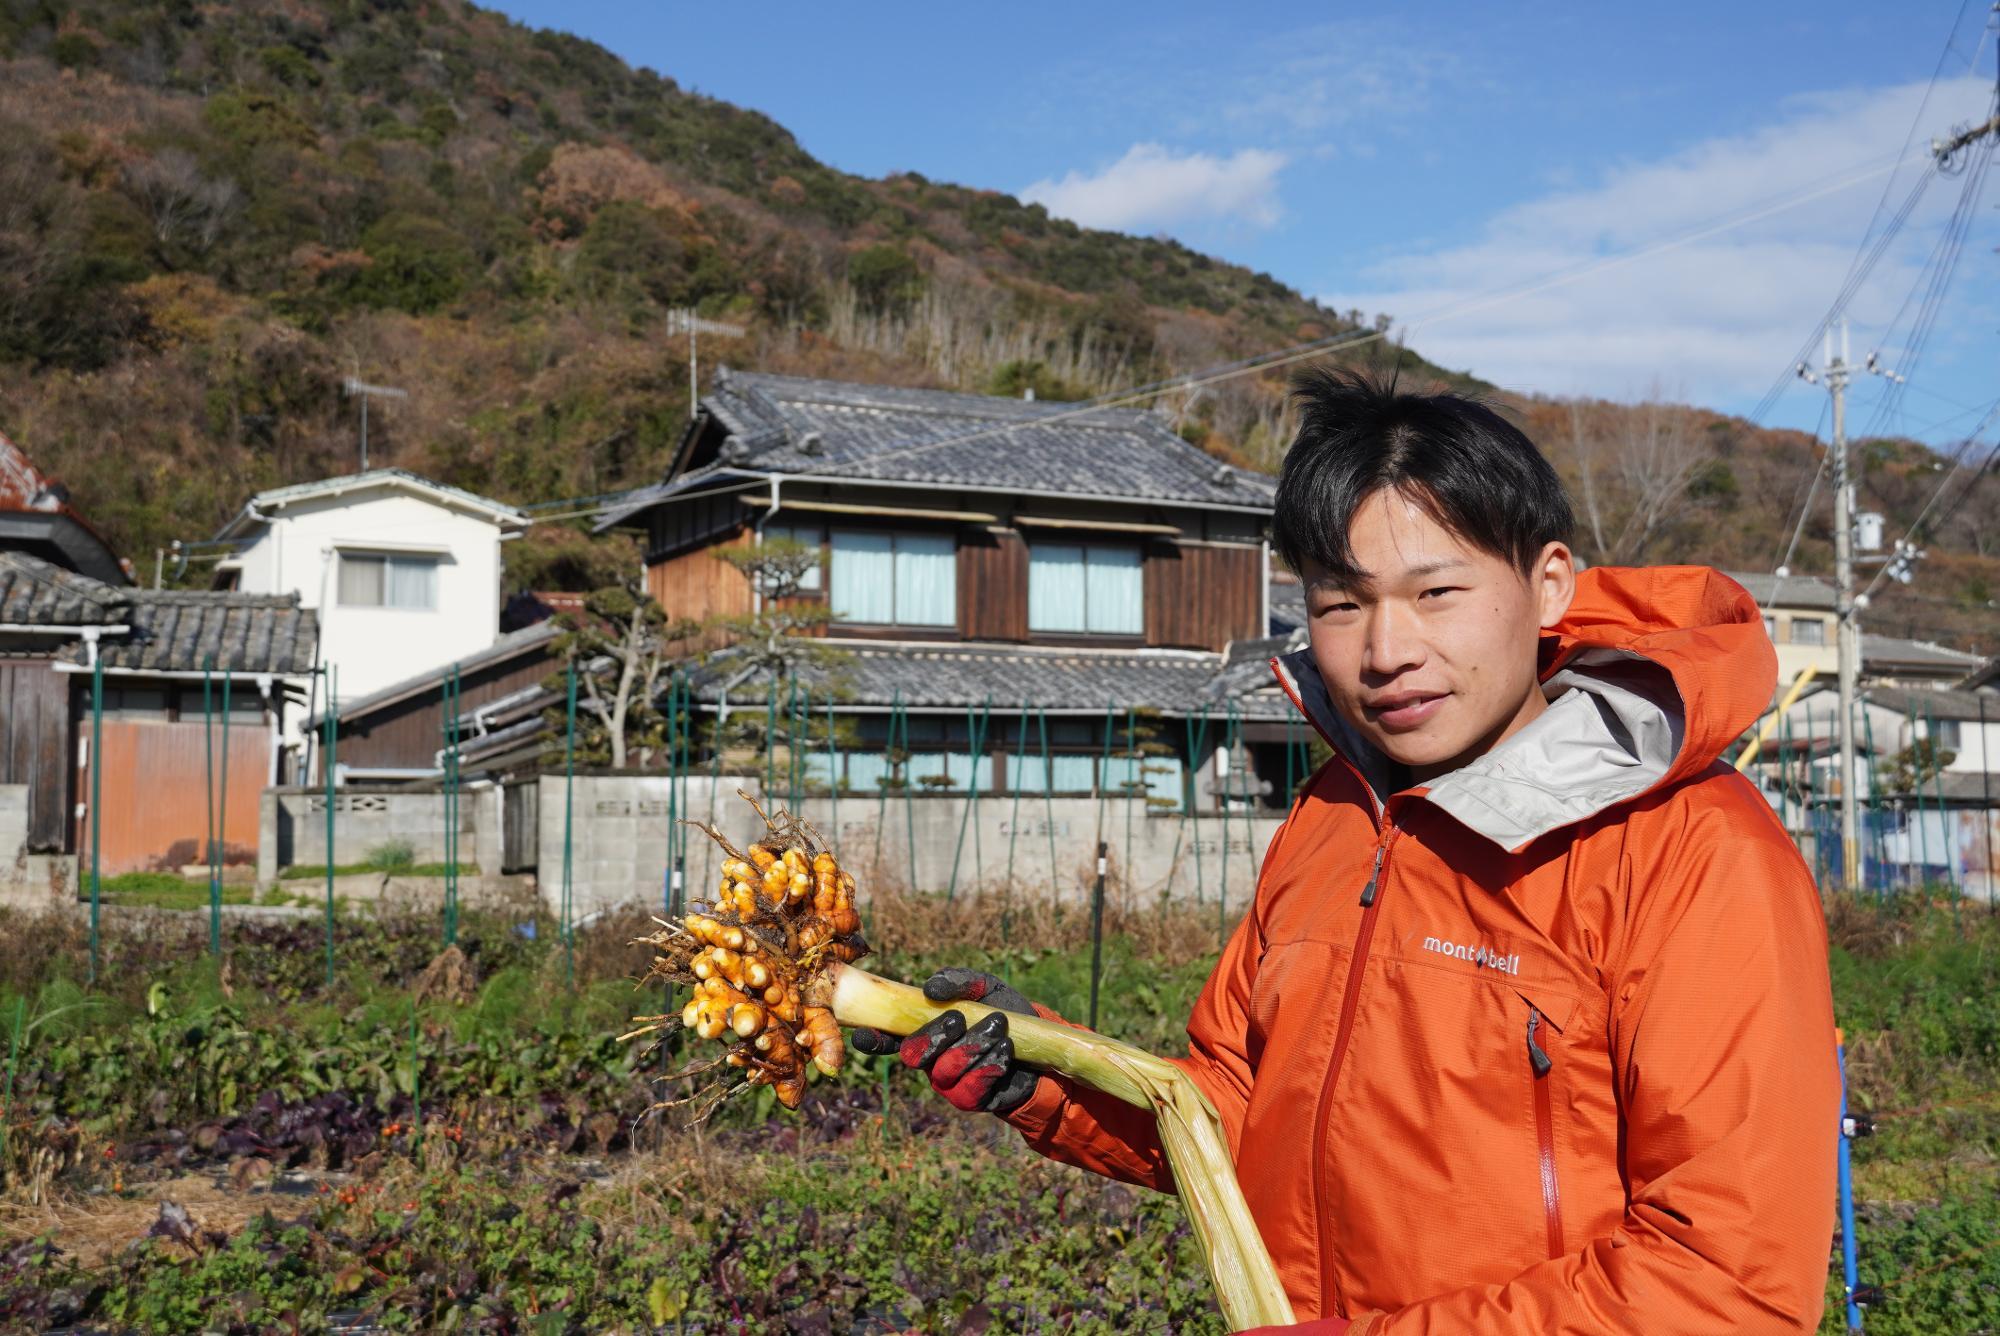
[[213, 214]]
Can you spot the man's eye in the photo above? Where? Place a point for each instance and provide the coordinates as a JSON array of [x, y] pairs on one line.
[[1330, 608], [1439, 590]]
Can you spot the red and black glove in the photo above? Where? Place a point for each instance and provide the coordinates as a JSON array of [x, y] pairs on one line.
[[971, 1066]]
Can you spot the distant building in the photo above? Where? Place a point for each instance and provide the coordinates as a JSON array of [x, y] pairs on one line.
[[404, 572], [994, 565], [166, 656], [1894, 661]]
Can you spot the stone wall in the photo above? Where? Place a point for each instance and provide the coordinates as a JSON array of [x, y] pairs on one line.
[[30, 881], [619, 842]]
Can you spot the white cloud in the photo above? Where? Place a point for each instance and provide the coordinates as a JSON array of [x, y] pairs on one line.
[[1154, 187], [1718, 314]]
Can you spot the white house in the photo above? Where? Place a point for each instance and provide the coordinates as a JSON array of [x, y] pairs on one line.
[[405, 572]]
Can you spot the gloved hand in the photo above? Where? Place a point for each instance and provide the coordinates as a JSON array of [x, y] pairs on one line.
[[974, 1066]]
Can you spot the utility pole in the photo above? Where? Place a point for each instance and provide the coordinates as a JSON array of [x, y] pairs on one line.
[[362, 390], [1835, 373], [683, 318]]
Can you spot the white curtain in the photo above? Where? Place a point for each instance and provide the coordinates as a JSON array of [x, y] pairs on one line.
[[1074, 773], [864, 577], [1056, 588], [412, 582], [1114, 591], [926, 580], [865, 771], [360, 581]]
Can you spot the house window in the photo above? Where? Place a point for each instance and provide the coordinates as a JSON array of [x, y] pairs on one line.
[[1770, 628], [1947, 734], [1088, 588], [804, 536], [1808, 631], [369, 581], [902, 579]]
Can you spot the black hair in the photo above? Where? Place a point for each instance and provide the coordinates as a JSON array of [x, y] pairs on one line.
[[1473, 471]]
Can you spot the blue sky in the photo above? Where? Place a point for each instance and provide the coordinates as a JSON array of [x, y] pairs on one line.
[[1701, 175]]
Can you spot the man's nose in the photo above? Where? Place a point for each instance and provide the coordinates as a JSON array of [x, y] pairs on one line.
[[1395, 642]]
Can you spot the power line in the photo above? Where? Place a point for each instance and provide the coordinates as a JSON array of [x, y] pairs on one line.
[[1825, 186]]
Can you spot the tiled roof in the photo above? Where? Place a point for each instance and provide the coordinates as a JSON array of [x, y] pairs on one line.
[[1919, 703], [957, 677], [526, 640], [1894, 649], [1785, 591], [402, 479], [792, 425], [177, 631], [34, 592]]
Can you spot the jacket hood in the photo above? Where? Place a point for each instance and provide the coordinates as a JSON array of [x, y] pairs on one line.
[[1651, 673]]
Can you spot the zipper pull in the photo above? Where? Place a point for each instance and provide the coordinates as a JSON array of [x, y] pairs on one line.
[[1368, 891], [1537, 1059]]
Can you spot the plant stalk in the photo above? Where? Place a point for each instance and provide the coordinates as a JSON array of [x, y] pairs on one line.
[[1191, 1132]]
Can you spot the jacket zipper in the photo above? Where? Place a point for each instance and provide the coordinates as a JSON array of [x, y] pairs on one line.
[[1371, 905], [1539, 1065]]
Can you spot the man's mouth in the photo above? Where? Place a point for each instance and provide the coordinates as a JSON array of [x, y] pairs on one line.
[[1406, 709]]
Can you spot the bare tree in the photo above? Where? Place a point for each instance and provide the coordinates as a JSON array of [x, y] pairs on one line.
[[1638, 468], [184, 204]]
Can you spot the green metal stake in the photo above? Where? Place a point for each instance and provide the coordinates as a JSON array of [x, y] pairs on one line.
[[208, 793], [1234, 736], [832, 772], [978, 739], [448, 796], [770, 737], [1197, 744], [1103, 768], [327, 727], [793, 758], [909, 803], [569, 827], [1049, 806], [882, 782], [221, 826], [96, 800], [1135, 784], [1013, 821]]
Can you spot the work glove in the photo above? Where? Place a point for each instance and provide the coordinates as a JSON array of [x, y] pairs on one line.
[[971, 1066]]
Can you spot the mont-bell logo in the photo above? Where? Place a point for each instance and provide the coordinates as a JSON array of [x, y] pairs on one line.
[[1482, 956]]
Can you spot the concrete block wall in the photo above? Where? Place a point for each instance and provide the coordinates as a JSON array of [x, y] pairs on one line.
[[293, 826], [619, 842]]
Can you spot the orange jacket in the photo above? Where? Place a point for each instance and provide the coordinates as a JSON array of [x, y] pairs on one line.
[[1545, 1047]]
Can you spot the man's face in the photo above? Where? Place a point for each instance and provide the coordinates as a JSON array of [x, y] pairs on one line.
[[1432, 656]]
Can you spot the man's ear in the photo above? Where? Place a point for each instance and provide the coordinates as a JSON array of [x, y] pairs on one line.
[[1554, 579]]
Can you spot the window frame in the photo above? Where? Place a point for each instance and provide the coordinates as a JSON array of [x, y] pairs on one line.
[[433, 560], [895, 537], [1086, 546]]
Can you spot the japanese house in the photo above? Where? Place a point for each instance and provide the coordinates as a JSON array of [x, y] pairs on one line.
[[997, 571]]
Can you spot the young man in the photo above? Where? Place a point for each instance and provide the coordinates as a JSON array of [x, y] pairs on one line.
[[1528, 1029]]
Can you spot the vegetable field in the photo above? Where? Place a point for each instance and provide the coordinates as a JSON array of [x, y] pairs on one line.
[[456, 1143]]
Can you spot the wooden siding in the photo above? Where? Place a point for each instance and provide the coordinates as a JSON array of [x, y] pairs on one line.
[[698, 585], [36, 747], [1202, 597], [408, 734], [992, 585], [155, 792]]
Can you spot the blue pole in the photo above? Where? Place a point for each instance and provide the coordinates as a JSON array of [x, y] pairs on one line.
[[1850, 1253]]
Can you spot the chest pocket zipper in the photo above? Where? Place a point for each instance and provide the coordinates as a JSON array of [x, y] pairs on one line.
[[1540, 1064]]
